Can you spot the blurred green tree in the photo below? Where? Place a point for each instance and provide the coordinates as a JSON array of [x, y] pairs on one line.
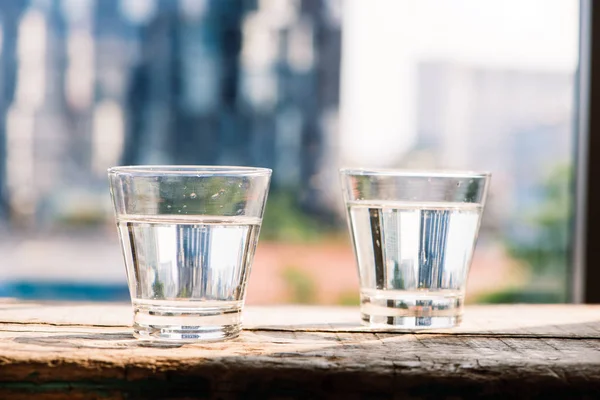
[[302, 287], [546, 256], [285, 221]]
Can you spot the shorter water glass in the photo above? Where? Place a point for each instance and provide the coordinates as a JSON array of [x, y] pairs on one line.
[[413, 235]]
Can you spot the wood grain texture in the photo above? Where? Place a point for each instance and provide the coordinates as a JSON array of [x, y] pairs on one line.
[[79, 351]]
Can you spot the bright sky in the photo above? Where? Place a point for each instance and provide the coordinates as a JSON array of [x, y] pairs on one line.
[[385, 39]]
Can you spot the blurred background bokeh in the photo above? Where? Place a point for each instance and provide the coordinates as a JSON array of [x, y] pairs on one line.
[[300, 86]]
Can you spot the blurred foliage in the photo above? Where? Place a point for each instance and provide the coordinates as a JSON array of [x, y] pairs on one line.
[[285, 221], [82, 218], [216, 196], [521, 295], [158, 288], [301, 286], [75, 208], [473, 191], [184, 292], [547, 254], [349, 298]]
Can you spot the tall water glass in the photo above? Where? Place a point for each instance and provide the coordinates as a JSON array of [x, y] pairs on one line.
[[188, 235], [413, 235]]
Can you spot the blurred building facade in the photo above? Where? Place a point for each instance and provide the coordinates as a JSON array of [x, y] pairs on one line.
[[87, 84]]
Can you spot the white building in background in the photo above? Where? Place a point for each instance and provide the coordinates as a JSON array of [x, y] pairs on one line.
[[384, 44], [461, 84], [515, 123]]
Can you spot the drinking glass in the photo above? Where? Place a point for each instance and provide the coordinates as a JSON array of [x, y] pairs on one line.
[[188, 235], [413, 234]]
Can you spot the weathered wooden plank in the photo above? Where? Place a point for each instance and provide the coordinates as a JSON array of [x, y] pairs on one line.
[[49, 355], [312, 364], [528, 320]]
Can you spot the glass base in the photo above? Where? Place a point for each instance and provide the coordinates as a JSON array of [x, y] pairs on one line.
[[398, 309], [169, 321]]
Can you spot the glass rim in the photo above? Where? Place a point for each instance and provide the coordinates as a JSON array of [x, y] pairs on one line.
[[424, 173], [187, 170]]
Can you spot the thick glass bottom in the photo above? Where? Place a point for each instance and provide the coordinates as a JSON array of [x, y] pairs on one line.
[[401, 309], [184, 322]]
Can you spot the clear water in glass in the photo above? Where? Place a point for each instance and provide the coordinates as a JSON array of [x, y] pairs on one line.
[[187, 274], [413, 260]]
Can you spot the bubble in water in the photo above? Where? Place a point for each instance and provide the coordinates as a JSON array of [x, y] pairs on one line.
[[178, 211], [184, 206], [168, 206], [220, 192], [193, 196]]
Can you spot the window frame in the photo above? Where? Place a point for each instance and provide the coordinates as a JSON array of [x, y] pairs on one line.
[[585, 275]]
